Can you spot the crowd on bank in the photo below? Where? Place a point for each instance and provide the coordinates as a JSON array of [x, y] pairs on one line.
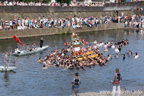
[[14, 3], [87, 56], [42, 22], [134, 21]]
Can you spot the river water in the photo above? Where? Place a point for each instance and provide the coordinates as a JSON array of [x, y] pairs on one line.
[[31, 80]]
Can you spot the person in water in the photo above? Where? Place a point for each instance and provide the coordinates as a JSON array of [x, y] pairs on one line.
[[87, 57], [40, 60], [116, 55], [123, 56], [75, 84], [6, 60], [41, 42], [129, 53], [116, 82], [136, 55]]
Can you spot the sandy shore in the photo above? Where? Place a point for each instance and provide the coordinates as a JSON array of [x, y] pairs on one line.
[[108, 93]]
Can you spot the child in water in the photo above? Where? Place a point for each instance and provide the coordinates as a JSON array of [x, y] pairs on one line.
[[136, 55]]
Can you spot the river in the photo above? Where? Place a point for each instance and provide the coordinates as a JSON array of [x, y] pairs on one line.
[[31, 80]]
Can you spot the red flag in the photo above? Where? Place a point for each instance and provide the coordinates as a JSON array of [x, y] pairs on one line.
[[17, 40], [82, 40], [65, 43]]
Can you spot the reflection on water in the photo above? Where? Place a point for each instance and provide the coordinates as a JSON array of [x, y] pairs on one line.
[[6, 79], [31, 80]]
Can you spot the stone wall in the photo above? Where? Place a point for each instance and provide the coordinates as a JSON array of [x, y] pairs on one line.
[[8, 16], [53, 31], [45, 9]]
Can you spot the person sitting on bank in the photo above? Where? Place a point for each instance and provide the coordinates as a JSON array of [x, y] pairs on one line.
[[75, 84], [116, 82]]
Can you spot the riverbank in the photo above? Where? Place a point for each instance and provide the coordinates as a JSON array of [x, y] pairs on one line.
[[53, 31], [108, 93]]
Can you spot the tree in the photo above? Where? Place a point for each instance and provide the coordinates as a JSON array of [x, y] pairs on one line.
[[64, 1], [46, 1], [29, 0], [123, 0]]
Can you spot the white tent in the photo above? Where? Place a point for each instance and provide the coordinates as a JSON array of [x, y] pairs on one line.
[[53, 1], [88, 1], [112, 1]]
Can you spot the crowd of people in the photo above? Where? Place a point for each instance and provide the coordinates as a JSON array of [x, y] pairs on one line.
[[17, 3], [42, 22], [134, 21], [86, 57]]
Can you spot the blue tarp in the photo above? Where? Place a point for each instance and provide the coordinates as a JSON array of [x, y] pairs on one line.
[[128, 0]]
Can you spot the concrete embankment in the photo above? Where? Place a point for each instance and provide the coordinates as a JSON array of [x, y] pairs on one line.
[[8, 12], [8, 16], [131, 28], [123, 93], [53, 31]]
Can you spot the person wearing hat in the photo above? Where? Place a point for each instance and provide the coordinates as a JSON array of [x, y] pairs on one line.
[[116, 82], [75, 84]]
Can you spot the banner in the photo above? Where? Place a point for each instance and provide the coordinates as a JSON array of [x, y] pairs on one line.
[[17, 40]]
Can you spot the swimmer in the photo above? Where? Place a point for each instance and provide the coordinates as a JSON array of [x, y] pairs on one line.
[[119, 48], [116, 55], [109, 57], [95, 42], [95, 46], [113, 47], [40, 60], [105, 50], [44, 66], [105, 45], [123, 56], [116, 50], [136, 55], [129, 53]]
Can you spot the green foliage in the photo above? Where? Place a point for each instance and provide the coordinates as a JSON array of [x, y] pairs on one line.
[[30, 0], [44, 1], [64, 1], [123, 0]]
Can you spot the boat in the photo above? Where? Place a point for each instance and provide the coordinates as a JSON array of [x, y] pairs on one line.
[[24, 52], [2, 68]]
